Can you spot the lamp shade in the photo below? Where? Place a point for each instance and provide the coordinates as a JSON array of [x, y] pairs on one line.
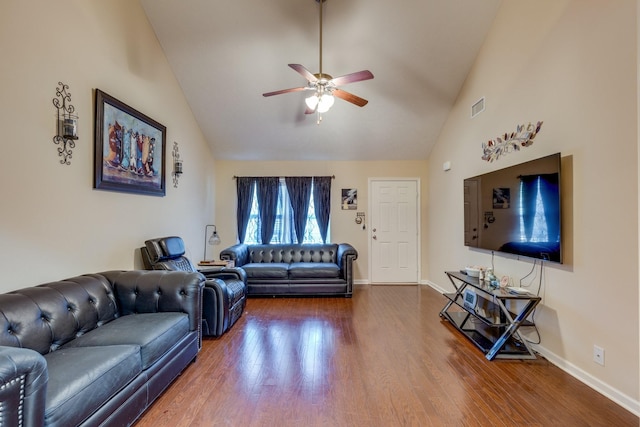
[[214, 239]]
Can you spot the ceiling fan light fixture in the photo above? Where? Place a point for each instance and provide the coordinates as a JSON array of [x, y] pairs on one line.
[[324, 86], [312, 101], [325, 102]]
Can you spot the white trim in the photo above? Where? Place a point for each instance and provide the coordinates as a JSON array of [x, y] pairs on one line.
[[601, 387]]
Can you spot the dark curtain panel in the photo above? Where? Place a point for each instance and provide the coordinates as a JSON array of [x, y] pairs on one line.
[[267, 189], [528, 187], [549, 191], [322, 203], [244, 190], [299, 189]]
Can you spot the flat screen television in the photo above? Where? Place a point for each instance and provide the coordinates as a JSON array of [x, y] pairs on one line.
[[516, 210]]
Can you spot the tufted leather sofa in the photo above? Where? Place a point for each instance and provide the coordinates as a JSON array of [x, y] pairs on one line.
[[295, 269], [224, 293], [96, 349]]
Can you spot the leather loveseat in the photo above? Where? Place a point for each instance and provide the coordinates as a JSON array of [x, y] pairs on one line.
[[295, 269], [96, 349]]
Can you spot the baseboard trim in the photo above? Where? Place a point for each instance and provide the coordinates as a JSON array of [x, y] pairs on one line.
[[601, 387]]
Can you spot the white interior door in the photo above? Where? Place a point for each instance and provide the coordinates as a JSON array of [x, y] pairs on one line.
[[393, 230]]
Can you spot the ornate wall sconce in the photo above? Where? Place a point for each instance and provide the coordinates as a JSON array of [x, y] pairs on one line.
[[177, 165], [67, 124]]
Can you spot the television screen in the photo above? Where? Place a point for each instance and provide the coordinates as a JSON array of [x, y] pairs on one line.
[[516, 210]]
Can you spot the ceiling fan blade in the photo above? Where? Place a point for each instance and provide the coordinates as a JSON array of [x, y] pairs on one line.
[[309, 110], [353, 77], [279, 92], [360, 102], [304, 72]]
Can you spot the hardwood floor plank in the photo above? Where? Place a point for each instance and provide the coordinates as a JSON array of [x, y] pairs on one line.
[[381, 358]]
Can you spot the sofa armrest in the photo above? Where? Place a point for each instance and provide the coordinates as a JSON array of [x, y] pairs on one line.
[[144, 291], [23, 386], [226, 273], [345, 257], [346, 254], [238, 253]]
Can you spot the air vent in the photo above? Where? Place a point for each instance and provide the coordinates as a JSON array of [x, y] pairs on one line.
[[477, 108]]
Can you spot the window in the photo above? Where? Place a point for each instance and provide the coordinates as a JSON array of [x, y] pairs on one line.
[[284, 230]]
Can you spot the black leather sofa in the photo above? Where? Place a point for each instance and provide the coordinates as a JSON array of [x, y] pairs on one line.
[[224, 293], [96, 349], [295, 269]]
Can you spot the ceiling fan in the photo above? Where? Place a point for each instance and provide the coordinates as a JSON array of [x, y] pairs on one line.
[[325, 87]]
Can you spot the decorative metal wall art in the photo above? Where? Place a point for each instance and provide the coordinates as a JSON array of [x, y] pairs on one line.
[[177, 164], [505, 144], [67, 124]]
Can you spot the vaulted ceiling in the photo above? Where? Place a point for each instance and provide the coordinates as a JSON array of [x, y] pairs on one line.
[[227, 53]]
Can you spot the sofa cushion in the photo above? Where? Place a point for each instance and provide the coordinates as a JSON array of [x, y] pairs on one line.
[[154, 333], [309, 270], [82, 379], [266, 270]]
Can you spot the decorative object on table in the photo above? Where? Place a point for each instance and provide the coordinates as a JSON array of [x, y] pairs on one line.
[[67, 124], [129, 149], [214, 239], [505, 144], [214, 263], [349, 199], [473, 271], [177, 164]]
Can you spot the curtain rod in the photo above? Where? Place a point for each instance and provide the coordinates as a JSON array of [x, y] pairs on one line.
[[234, 176]]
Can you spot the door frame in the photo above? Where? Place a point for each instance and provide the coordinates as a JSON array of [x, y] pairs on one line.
[[418, 223]]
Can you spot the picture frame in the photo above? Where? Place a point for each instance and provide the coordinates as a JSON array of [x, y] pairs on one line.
[[130, 149], [501, 198], [349, 199]]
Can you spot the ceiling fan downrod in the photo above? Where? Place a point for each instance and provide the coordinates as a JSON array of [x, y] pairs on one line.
[[320, 50]]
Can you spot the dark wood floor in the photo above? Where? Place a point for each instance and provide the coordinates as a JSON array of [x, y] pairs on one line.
[[382, 358]]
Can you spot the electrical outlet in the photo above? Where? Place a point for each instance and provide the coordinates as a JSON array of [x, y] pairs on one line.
[[598, 355]]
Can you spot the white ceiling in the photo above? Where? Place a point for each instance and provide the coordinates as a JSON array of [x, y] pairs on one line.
[[226, 53]]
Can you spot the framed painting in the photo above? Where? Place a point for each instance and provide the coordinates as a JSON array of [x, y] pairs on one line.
[[349, 199], [129, 149], [501, 198]]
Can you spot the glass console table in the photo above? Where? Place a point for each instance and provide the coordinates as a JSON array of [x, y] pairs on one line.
[[490, 318]]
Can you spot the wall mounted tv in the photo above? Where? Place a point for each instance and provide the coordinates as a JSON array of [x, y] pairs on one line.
[[516, 210]]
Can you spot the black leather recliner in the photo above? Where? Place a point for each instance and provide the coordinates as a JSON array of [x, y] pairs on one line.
[[225, 292]]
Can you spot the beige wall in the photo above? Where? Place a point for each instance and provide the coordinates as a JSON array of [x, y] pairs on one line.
[[347, 175], [52, 223], [571, 64]]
